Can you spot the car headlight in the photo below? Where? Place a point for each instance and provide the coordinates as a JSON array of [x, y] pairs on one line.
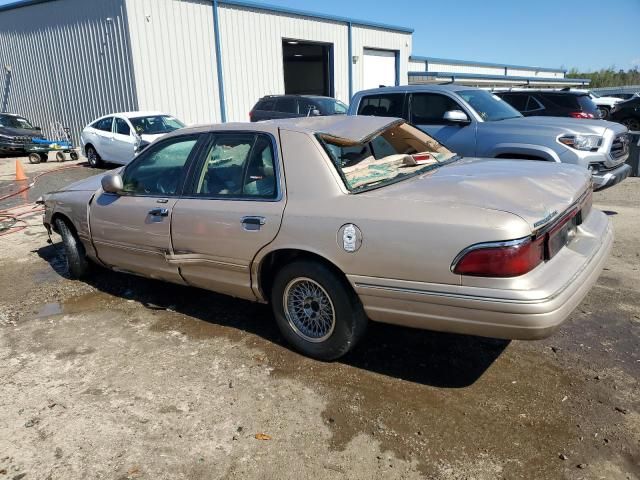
[[581, 142]]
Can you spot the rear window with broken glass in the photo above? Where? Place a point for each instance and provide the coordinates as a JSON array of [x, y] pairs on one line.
[[397, 153]]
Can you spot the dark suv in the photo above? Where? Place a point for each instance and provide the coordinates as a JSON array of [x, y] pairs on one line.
[[17, 134], [627, 113], [550, 103], [287, 106]]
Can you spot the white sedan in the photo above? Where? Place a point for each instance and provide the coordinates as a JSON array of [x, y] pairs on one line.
[[116, 138]]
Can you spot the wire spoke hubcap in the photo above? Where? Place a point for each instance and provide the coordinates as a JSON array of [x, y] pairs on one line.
[[309, 309]]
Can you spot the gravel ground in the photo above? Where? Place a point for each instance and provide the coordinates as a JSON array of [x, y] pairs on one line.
[[120, 377]]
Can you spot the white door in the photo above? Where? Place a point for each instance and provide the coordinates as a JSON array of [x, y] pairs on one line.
[[123, 146], [379, 68]]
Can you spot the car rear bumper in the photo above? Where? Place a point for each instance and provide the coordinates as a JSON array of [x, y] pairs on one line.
[[489, 313], [602, 180]]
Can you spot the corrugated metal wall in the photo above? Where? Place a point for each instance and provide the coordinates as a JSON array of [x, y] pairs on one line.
[[377, 38], [417, 66], [70, 62], [533, 72], [252, 62], [458, 68], [174, 56]]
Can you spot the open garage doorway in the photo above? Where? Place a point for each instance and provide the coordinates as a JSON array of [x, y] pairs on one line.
[[308, 68]]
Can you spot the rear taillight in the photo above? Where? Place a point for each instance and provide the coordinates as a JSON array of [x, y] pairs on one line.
[[581, 115], [251, 115], [501, 259], [517, 257]]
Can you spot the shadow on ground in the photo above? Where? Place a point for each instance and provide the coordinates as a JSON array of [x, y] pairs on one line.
[[420, 356]]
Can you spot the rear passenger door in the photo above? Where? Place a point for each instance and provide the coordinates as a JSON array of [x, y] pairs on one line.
[[286, 107], [426, 111], [232, 208], [384, 105]]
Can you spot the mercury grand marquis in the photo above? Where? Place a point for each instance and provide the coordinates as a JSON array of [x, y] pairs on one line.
[[337, 221]]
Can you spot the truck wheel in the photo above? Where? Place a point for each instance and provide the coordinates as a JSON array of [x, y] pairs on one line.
[[93, 157], [44, 157], [77, 263], [35, 158], [73, 155], [60, 157], [316, 310], [604, 113]]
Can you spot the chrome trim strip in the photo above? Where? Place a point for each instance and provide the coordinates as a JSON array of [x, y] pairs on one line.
[[194, 259], [128, 247]]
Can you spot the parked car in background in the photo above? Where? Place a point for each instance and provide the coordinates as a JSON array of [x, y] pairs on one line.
[[273, 107], [381, 223], [628, 113], [477, 123], [16, 137], [604, 103], [624, 96], [116, 138], [551, 103]]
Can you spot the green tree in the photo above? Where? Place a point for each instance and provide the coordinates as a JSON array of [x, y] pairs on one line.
[[608, 77]]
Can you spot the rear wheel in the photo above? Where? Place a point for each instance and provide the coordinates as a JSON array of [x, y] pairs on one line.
[[633, 124], [44, 157], [93, 157], [604, 113], [77, 263], [316, 310]]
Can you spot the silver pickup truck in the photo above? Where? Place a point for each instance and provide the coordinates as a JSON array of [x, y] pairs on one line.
[[475, 123]]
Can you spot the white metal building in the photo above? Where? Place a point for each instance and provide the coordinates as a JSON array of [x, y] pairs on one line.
[[203, 61], [482, 74]]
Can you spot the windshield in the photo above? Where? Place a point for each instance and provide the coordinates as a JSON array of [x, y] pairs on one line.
[[490, 107], [332, 106], [399, 152], [594, 95], [15, 122], [155, 124]]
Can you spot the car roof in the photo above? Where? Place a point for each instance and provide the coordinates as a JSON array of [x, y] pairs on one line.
[[542, 91], [294, 95], [354, 128], [449, 87]]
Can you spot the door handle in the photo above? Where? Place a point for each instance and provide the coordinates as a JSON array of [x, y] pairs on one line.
[[252, 223], [159, 212]]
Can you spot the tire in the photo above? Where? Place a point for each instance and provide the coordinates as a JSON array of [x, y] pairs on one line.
[[60, 157], [604, 113], [44, 157], [73, 155], [93, 157], [35, 158], [318, 293], [77, 263], [633, 124]]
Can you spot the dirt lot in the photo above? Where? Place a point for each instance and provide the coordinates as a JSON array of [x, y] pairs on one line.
[[120, 377]]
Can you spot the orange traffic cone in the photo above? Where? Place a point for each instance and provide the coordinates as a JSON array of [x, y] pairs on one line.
[[20, 172]]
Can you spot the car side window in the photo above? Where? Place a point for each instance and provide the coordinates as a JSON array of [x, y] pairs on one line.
[[122, 127], [238, 165], [287, 105], [104, 124], [266, 105], [158, 170], [429, 108], [386, 105], [533, 104], [516, 100], [306, 106]]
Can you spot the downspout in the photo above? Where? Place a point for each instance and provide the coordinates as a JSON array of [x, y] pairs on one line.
[[350, 53], [216, 33]]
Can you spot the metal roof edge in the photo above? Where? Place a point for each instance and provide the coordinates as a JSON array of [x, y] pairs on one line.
[[306, 13], [495, 77], [454, 61]]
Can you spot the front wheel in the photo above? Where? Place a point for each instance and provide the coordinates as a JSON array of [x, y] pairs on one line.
[[35, 158], [77, 263], [316, 310]]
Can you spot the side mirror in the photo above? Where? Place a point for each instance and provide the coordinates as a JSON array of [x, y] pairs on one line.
[[315, 112], [456, 116], [112, 183], [37, 128]]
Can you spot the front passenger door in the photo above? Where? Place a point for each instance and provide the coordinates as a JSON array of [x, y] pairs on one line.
[[131, 230], [427, 113]]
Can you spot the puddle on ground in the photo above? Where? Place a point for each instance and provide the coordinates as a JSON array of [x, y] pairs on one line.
[[49, 309]]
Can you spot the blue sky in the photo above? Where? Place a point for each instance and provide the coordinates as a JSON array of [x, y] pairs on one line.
[[589, 34]]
